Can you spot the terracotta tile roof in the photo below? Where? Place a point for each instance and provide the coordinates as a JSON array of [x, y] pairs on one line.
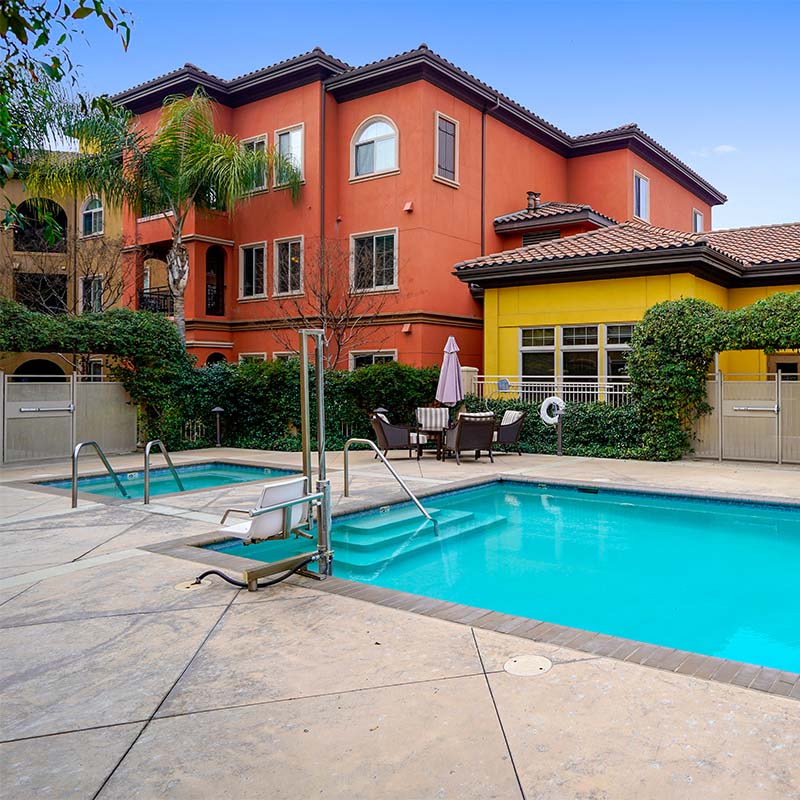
[[763, 244], [548, 208]]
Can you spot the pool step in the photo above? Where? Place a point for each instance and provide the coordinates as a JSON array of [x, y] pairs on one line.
[[417, 536], [368, 534]]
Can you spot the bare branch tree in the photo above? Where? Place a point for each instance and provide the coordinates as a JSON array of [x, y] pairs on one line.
[[331, 294], [70, 276]]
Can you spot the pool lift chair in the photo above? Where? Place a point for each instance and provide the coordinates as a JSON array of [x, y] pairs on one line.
[[285, 507], [282, 510]]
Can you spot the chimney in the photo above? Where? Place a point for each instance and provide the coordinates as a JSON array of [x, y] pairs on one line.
[[533, 200]]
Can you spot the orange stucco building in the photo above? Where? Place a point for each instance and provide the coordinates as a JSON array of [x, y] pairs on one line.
[[410, 165]]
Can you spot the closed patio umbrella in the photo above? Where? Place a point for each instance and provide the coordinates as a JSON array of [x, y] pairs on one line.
[[450, 390]]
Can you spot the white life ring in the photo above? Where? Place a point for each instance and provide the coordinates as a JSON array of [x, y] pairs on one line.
[[544, 410]]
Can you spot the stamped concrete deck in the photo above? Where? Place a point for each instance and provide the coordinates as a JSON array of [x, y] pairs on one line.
[[118, 685]]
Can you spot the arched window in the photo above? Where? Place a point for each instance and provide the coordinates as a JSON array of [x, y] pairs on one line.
[[375, 147], [41, 227], [215, 358], [92, 217], [37, 370]]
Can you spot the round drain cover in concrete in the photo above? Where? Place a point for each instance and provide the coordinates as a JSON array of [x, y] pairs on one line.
[[528, 665], [188, 586]]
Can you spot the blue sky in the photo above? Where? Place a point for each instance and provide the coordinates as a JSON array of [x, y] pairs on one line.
[[717, 83]]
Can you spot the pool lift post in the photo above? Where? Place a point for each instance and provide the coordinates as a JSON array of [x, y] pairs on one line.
[[325, 557]]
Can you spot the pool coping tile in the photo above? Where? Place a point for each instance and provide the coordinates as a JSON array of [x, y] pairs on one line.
[[748, 676]]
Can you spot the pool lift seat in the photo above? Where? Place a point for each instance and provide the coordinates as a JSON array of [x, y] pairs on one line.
[[283, 509]]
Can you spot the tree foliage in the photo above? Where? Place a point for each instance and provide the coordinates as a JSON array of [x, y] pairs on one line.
[[35, 40], [183, 165]]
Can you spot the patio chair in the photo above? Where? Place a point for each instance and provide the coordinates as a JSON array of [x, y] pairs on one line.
[[396, 437], [471, 432], [509, 429], [278, 524], [432, 423]]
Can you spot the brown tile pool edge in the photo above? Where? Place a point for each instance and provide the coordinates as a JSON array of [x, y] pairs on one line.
[[683, 662]]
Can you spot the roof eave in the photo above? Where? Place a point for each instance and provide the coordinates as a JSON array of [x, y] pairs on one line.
[[245, 89], [701, 261], [656, 155], [425, 65], [554, 221]]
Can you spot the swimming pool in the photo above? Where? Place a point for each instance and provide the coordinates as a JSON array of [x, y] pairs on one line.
[[717, 578], [194, 476]]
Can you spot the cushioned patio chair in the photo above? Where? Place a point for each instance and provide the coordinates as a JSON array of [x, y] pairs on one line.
[[278, 524], [396, 437], [471, 432], [509, 429], [432, 422]]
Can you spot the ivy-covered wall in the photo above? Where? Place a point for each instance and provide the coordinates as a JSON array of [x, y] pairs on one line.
[[672, 353]]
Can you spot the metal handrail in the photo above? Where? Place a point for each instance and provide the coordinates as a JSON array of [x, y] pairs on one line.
[[147, 448], [75, 453], [391, 469]]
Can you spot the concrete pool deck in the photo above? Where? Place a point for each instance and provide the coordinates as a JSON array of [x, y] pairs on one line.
[[116, 684]]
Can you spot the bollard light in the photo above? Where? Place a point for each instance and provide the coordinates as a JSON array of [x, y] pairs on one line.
[[217, 410]]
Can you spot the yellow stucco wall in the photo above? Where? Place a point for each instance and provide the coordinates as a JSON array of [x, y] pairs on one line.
[[616, 300]]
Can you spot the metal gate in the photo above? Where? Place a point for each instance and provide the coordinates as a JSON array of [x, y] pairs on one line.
[[45, 416], [754, 418]]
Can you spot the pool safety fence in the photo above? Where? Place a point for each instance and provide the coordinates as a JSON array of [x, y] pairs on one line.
[[45, 416], [536, 388]]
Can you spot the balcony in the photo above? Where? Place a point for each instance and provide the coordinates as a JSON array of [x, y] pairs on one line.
[[157, 298]]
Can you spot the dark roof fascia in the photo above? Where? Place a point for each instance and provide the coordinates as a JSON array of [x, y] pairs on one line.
[[185, 80], [554, 221], [239, 91], [767, 274], [697, 260], [425, 65], [653, 154]]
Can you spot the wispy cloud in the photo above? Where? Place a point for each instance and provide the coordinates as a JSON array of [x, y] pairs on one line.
[[718, 150]]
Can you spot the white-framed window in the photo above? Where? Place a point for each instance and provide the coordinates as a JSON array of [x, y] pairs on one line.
[[259, 144], [92, 294], [244, 357], [252, 270], [641, 197], [580, 352], [618, 337], [92, 217], [366, 358], [146, 277], [288, 260], [375, 146], [373, 261], [573, 352], [289, 142], [284, 355], [95, 372], [446, 149], [538, 352], [698, 221]]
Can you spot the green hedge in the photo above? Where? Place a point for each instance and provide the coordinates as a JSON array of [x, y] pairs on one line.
[[588, 429], [261, 402]]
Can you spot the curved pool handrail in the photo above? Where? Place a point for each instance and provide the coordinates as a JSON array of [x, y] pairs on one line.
[[75, 453], [391, 469], [147, 448]]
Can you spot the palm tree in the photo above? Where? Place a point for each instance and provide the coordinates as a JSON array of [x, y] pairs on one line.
[[184, 164]]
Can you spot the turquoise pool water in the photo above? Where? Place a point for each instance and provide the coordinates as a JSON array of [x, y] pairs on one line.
[[196, 476], [711, 577]]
